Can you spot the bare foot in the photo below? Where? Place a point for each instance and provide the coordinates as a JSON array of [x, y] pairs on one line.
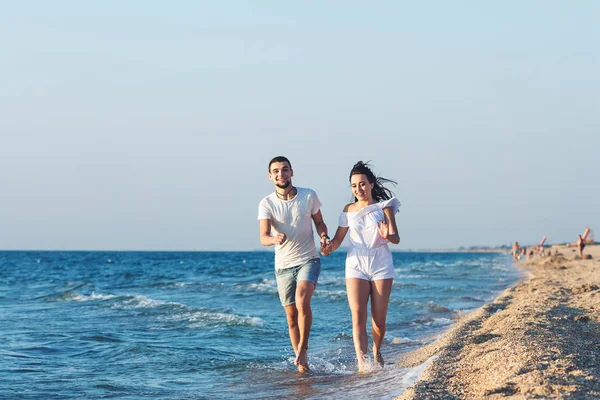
[[302, 369], [364, 365], [379, 359], [302, 361]]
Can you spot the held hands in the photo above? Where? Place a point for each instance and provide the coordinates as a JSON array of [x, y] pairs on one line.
[[279, 239], [326, 248]]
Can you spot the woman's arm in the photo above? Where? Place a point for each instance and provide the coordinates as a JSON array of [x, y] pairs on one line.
[[388, 228], [337, 240]]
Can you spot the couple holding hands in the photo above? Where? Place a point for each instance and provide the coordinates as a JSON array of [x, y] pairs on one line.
[[286, 218]]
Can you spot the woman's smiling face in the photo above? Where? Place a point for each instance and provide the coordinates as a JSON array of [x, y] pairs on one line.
[[361, 187]]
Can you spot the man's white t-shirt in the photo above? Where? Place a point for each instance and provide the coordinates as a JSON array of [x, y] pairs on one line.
[[294, 219]]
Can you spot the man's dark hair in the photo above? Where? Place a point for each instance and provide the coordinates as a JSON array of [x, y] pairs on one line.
[[279, 159]]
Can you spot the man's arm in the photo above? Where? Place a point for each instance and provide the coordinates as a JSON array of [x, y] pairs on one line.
[[319, 224], [265, 234]]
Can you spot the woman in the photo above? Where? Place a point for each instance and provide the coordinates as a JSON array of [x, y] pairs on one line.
[[369, 266]]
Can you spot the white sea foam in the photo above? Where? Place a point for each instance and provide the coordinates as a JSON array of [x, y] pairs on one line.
[[434, 307], [472, 298], [321, 365], [332, 294], [412, 374], [316, 363], [412, 276], [404, 340], [265, 285], [434, 264], [332, 280], [432, 322], [92, 297], [171, 285], [140, 301], [200, 319], [196, 318], [121, 302], [440, 322]]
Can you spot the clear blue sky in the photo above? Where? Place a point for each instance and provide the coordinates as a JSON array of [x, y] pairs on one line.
[[149, 125]]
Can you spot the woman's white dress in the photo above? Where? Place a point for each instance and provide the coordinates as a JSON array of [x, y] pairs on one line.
[[369, 256]]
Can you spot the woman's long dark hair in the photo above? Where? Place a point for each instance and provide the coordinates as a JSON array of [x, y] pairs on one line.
[[379, 192]]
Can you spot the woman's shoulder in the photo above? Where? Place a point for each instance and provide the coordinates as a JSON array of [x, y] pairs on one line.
[[347, 207], [392, 203]]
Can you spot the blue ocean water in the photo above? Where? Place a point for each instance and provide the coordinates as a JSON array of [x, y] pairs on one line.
[[193, 325]]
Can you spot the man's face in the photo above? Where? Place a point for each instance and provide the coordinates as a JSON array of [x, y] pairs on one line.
[[281, 174]]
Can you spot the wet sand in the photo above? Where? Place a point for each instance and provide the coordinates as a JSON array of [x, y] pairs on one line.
[[538, 339]]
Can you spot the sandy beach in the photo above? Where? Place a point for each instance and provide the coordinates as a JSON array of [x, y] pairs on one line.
[[538, 339]]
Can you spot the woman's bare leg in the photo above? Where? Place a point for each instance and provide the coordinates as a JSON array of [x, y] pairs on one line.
[[358, 297], [380, 298]]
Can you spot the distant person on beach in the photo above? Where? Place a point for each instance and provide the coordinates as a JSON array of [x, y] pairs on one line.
[[285, 219], [580, 245], [369, 266], [516, 251], [539, 250]]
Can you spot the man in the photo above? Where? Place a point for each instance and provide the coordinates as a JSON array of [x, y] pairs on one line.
[[516, 252], [580, 245], [286, 217]]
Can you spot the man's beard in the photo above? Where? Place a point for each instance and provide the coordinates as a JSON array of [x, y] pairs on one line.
[[284, 186]]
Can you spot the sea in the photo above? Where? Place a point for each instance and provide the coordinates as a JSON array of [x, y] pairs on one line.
[[209, 325]]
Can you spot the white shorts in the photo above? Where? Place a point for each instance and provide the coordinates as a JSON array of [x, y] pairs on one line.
[[370, 264]]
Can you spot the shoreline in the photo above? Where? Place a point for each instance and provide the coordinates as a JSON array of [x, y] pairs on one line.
[[538, 338], [487, 250]]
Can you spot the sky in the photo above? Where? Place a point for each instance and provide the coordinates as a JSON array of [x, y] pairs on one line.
[[149, 125]]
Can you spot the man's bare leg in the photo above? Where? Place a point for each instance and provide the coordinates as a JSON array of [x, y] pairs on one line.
[[304, 292], [291, 315]]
